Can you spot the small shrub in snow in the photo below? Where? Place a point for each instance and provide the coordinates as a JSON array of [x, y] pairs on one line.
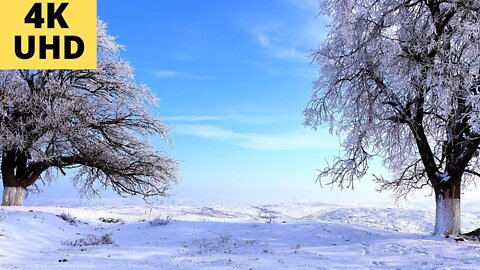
[[270, 220], [159, 221], [470, 236], [111, 220], [91, 240], [68, 218]]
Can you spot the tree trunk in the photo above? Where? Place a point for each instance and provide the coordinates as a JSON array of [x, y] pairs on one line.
[[447, 220], [16, 177], [13, 196]]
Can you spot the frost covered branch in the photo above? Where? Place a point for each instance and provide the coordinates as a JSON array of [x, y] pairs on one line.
[[400, 80], [97, 121]]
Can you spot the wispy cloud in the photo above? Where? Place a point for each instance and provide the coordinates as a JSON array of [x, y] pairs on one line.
[[236, 118], [305, 140], [178, 74], [278, 51], [205, 118], [166, 73], [292, 38], [205, 131]]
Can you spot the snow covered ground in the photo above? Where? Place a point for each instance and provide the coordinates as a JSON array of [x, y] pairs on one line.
[[284, 236]]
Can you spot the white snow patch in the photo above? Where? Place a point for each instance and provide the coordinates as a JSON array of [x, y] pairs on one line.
[[284, 236]]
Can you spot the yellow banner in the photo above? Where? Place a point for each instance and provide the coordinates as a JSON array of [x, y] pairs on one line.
[[48, 34]]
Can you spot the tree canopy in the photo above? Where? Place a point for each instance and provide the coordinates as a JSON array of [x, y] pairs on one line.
[[97, 121], [400, 80]]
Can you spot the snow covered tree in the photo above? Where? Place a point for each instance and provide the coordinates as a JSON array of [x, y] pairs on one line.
[[93, 120], [400, 80]]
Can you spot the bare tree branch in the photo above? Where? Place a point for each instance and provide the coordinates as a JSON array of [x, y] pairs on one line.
[[96, 121]]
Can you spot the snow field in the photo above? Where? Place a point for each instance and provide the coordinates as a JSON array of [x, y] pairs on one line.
[[284, 236]]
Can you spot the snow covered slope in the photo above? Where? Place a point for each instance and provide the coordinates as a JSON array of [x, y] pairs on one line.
[[286, 236]]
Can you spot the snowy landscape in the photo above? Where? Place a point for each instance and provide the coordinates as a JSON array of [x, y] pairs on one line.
[[386, 93], [283, 236]]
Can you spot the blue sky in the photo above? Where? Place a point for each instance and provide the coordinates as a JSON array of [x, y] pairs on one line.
[[233, 77]]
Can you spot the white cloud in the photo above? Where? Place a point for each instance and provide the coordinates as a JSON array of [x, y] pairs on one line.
[[294, 37], [178, 74], [166, 73], [278, 51], [202, 118], [205, 131], [238, 118], [304, 140], [193, 118]]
